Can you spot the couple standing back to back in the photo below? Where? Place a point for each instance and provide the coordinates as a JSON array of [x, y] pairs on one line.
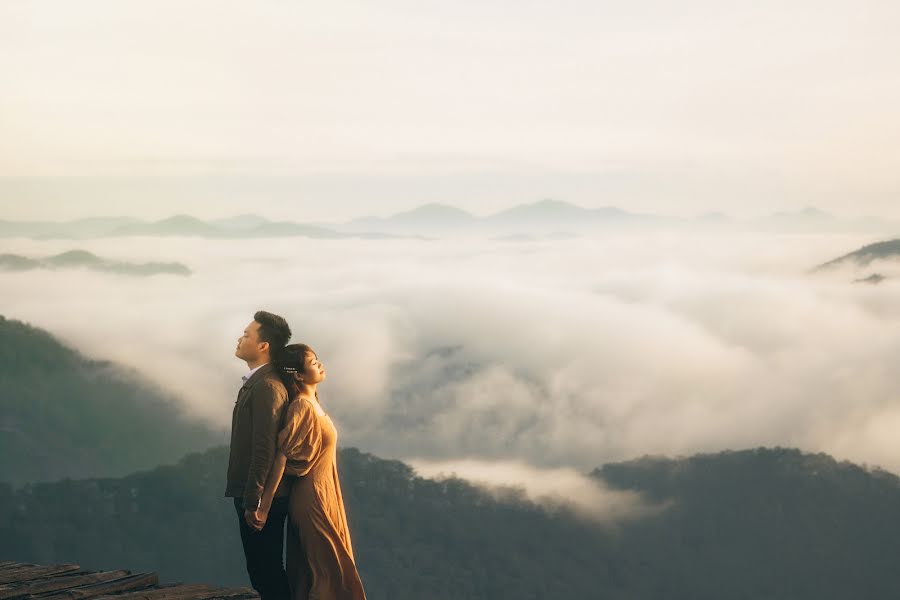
[[283, 467]]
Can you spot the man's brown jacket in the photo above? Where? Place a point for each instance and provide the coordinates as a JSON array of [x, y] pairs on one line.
[[255, 422]]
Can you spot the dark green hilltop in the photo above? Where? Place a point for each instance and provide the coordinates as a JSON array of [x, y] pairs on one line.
[[864, 256]]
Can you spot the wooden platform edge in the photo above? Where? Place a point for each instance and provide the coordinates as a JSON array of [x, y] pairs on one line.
[[27, 581]]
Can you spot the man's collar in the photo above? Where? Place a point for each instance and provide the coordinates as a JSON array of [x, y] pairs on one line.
[[247, 377]]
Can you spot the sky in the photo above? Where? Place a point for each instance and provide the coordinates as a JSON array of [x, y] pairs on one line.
[[331, 111]]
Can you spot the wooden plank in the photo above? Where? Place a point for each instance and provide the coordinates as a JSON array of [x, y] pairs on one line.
[[26, 581], [12, 566], [157, 592], [30, 572], [17, 568], [210, 593], [52, 584], [8, 564], [124, 584], [233, 594], [190, 591]]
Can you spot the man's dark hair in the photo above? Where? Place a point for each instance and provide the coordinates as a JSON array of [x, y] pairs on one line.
[[272, 329]]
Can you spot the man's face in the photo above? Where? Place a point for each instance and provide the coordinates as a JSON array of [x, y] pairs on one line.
[[249, 346]]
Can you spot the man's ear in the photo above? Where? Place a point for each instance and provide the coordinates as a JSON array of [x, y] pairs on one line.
[[264, 346]]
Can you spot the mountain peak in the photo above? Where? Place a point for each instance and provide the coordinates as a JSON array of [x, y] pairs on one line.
[[434, 210], [243, 221], [805, 213], [812, 211], [556, 204], [75, 257], [542, 209], [182, 220]]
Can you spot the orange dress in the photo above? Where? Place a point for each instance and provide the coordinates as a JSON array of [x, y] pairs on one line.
[[319, 562]]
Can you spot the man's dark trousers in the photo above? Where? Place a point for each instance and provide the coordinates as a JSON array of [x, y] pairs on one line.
[[264, 551]]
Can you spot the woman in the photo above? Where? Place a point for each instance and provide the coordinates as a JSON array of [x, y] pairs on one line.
[[320, 562]]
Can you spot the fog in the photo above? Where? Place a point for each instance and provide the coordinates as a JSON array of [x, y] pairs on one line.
[[557, 488], [559, 354]]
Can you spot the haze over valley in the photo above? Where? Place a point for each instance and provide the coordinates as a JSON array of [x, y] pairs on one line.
[[553, 352]]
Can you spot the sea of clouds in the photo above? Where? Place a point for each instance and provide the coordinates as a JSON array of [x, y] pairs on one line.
[[554, 356]]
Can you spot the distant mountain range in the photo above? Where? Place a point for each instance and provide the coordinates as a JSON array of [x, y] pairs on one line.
[[248, 226], [551, 216], [536, 217], [429, 217], [539, 218], [65, 415], [82, 259], [79, 229]]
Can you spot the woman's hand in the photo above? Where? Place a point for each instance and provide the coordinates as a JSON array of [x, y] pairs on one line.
[[265, 502], [256, 519], [262, 514]]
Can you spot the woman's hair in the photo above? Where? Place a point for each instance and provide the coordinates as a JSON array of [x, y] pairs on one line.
[[290, 362]]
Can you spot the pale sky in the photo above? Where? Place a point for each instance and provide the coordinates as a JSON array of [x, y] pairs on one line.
[[373, 107]]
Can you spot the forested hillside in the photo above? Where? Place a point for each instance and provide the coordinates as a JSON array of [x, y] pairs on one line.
[[64, 415], [764, 523]]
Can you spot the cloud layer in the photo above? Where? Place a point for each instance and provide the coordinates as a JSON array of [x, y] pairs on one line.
[[552, 354], [553, 488]]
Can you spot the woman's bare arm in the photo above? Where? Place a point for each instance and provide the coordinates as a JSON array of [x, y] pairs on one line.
[[276, 472]]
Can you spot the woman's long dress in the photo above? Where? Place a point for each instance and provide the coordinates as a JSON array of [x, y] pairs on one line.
[[320, 564]]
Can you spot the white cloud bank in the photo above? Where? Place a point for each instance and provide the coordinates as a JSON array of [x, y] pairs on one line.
[[554, 488], [556, 354]]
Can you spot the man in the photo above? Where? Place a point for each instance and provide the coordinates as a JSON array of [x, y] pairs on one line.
[[254, 425]]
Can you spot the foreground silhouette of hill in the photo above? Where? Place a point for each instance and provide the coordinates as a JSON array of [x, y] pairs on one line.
[[761, 523], [64, 415], [866, 255]]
